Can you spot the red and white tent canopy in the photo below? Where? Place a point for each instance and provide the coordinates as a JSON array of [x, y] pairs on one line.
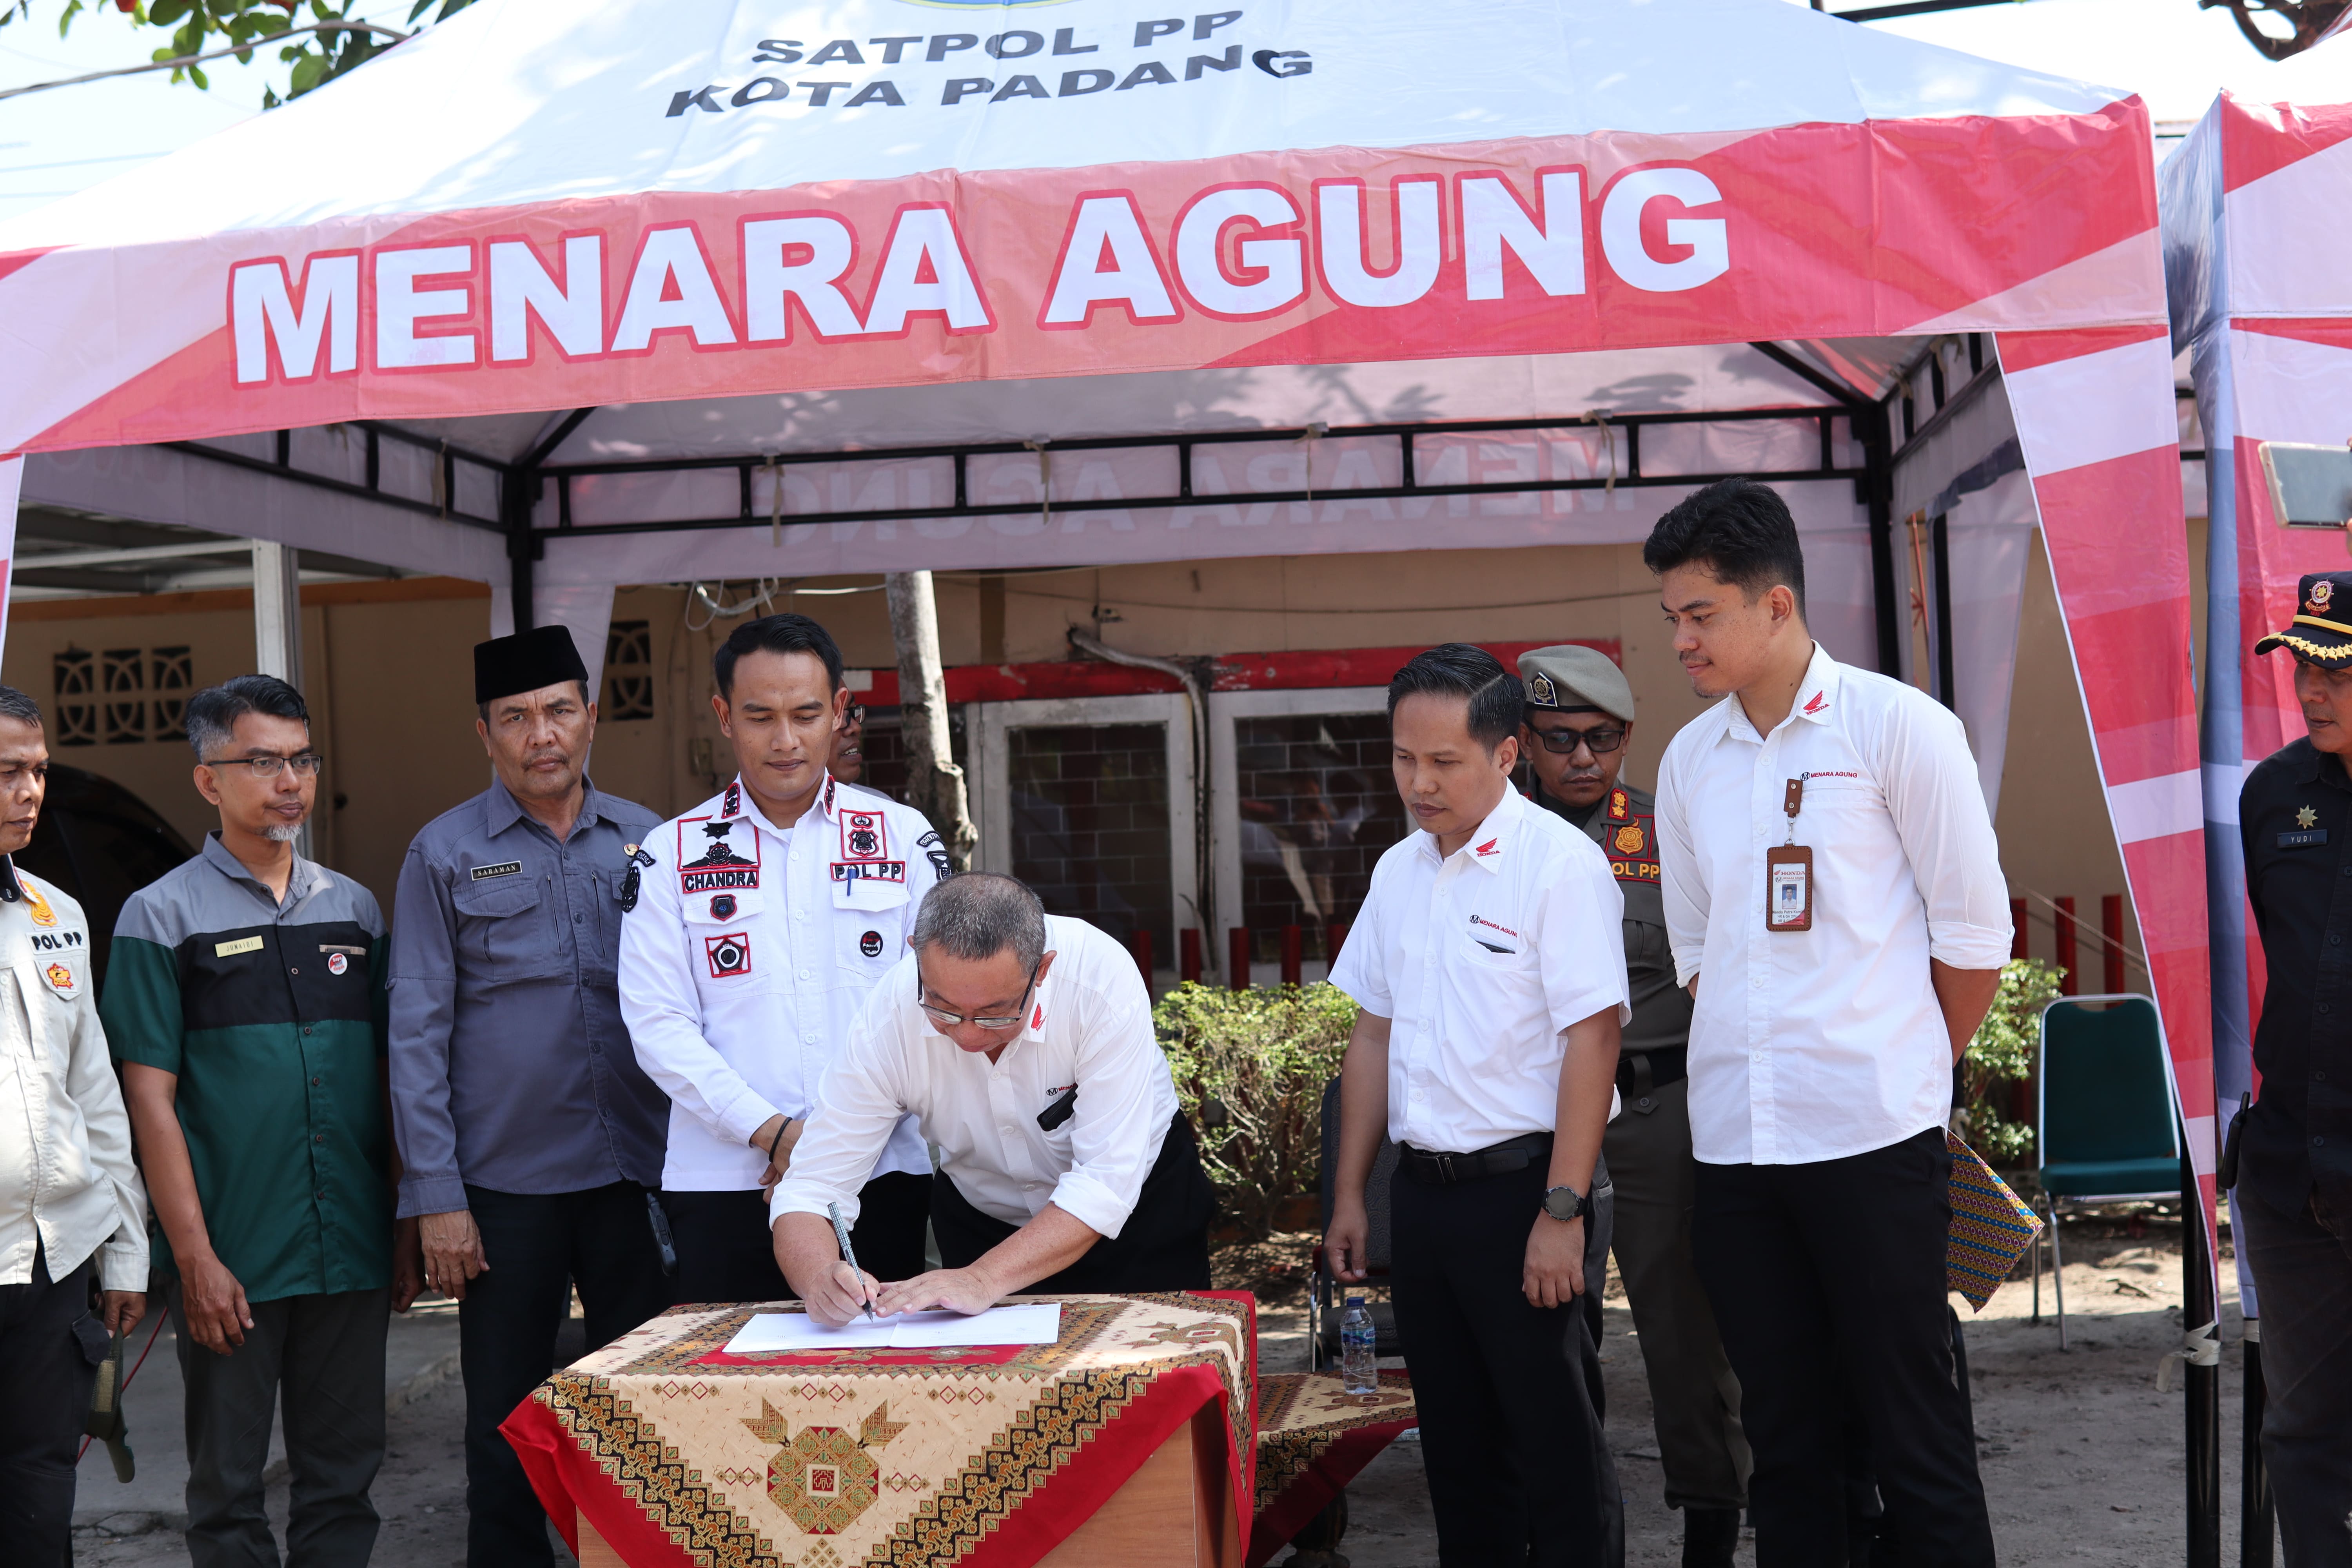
[[644, 292], [2257, 208]]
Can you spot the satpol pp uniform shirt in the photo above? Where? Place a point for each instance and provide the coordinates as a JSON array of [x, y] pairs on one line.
[[1480, 959], [746, 960], [1817, 1044], [1090, 1027]]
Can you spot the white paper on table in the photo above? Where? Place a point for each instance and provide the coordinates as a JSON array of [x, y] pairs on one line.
[[775, 1333]]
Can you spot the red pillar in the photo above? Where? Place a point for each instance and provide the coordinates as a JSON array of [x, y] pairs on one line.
[[1293, 955], [1142, 947], [2017, 928], [2065, 922], [1237, 958], [1335, 937], [1188, 959], [2111, 924]]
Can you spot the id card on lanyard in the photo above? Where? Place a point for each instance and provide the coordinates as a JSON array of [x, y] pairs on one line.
[[1789, 873]]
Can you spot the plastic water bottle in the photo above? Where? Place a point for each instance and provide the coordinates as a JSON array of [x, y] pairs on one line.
[[1358, 1367]]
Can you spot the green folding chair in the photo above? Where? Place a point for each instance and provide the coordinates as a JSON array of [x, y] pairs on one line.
[[2105, 1129]]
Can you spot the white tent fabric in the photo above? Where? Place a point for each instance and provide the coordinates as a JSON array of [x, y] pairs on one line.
[[759, 242]]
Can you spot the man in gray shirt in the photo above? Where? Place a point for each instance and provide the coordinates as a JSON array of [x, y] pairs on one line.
[[529, 1135]]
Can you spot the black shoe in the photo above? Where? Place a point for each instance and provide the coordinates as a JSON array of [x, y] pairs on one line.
[[1710, 1535]]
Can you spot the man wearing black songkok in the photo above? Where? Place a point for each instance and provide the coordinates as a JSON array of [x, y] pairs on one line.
[[529, 1135]]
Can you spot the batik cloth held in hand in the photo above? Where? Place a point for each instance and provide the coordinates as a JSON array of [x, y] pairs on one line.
[[1991, 1227], [985, 1457]]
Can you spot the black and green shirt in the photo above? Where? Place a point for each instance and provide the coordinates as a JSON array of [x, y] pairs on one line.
[[271, 1015]]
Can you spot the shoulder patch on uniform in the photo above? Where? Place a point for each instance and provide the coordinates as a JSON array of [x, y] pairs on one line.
[[1620, 806], [35, 904], [731, 803]]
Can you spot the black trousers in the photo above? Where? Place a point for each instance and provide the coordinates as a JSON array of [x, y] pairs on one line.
[[727, 1252], [539, 1245], [2302, 1262], [321, 1359], [1828, 1284], [49, 1350], [1163, 1246], [1509, 1394]]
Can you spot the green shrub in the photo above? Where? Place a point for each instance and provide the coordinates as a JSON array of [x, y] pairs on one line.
[[1250, 1068], [2001, 1056]]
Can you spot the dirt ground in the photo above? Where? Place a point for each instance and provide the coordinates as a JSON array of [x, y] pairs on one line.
[[2081, 1454]]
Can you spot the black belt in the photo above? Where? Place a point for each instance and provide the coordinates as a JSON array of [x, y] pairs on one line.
[[1641, 1073], [1497, 1160]]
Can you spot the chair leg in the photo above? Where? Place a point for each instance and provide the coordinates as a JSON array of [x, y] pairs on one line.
[[2058, 1273], [2035, 1251]]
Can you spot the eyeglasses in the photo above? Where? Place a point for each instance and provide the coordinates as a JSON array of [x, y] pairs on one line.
[[947, 1020], [1564, 741], [308, 764], [857, 714]]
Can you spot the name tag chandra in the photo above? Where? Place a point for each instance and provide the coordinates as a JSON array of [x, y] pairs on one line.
[[2305, 838], [242, 945], [503, 869]]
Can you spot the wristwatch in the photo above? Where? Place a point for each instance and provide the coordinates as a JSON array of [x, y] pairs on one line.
[[1565, 1204]]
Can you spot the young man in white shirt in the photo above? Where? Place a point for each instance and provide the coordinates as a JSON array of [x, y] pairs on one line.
[[1488, 967], [764, 918], [1835, 898], [1022, 1044]]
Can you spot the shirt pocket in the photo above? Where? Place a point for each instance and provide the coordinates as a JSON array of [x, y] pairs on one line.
[[506, 932], [869, 923], [1496, 986]]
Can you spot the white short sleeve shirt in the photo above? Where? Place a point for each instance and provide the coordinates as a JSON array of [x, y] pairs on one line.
[[1816, 1045], [1479, 960]]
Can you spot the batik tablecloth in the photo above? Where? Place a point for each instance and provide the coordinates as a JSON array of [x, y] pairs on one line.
[[1313, 1436], [984, 1457]]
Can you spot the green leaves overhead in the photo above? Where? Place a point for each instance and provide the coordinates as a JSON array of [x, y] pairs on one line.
[[210, 27]]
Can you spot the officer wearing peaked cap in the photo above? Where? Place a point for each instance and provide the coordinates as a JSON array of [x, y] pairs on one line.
[[1578, 731], [529, 1136], [2292, 1197]]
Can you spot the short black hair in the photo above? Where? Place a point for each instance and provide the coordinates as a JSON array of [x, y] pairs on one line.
[[776, 634], [15, 704], [1739, 530], [1463, 669], [213, 712]]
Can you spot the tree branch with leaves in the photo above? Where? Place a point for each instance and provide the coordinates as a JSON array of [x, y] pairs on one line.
[[330, 43]]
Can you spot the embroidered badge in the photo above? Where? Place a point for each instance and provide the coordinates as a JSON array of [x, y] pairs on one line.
[[864, 837], [731, 803], [634, 858], [1483, 921], [870, 944], [2321, 592], [59, 941], [722, 906], [1634, 870], [2307, 817], [60, 979], [1620, 806], [1541, 692], [1817, 704], [1487, 847], [1629, 839], [870, 870], [936, 848], [36, 905], [729, 954], [503, 869], [828, 796], [337, 964], [242, 945], [720, 866]]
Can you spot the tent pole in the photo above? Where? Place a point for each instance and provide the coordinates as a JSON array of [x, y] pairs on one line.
[[2202, 1401], [2257, 1510], [523, 543], [12, 479], [278, 628], [1878, 491]]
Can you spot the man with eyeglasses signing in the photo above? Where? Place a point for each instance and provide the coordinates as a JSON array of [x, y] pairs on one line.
[[1022, 1044], [243, 999], [1578, 730]]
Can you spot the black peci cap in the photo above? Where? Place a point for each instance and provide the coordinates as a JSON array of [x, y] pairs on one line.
[[544, 655], [2321, 633]]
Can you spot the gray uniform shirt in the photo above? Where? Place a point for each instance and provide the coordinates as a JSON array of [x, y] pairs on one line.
[[510, 1068]]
